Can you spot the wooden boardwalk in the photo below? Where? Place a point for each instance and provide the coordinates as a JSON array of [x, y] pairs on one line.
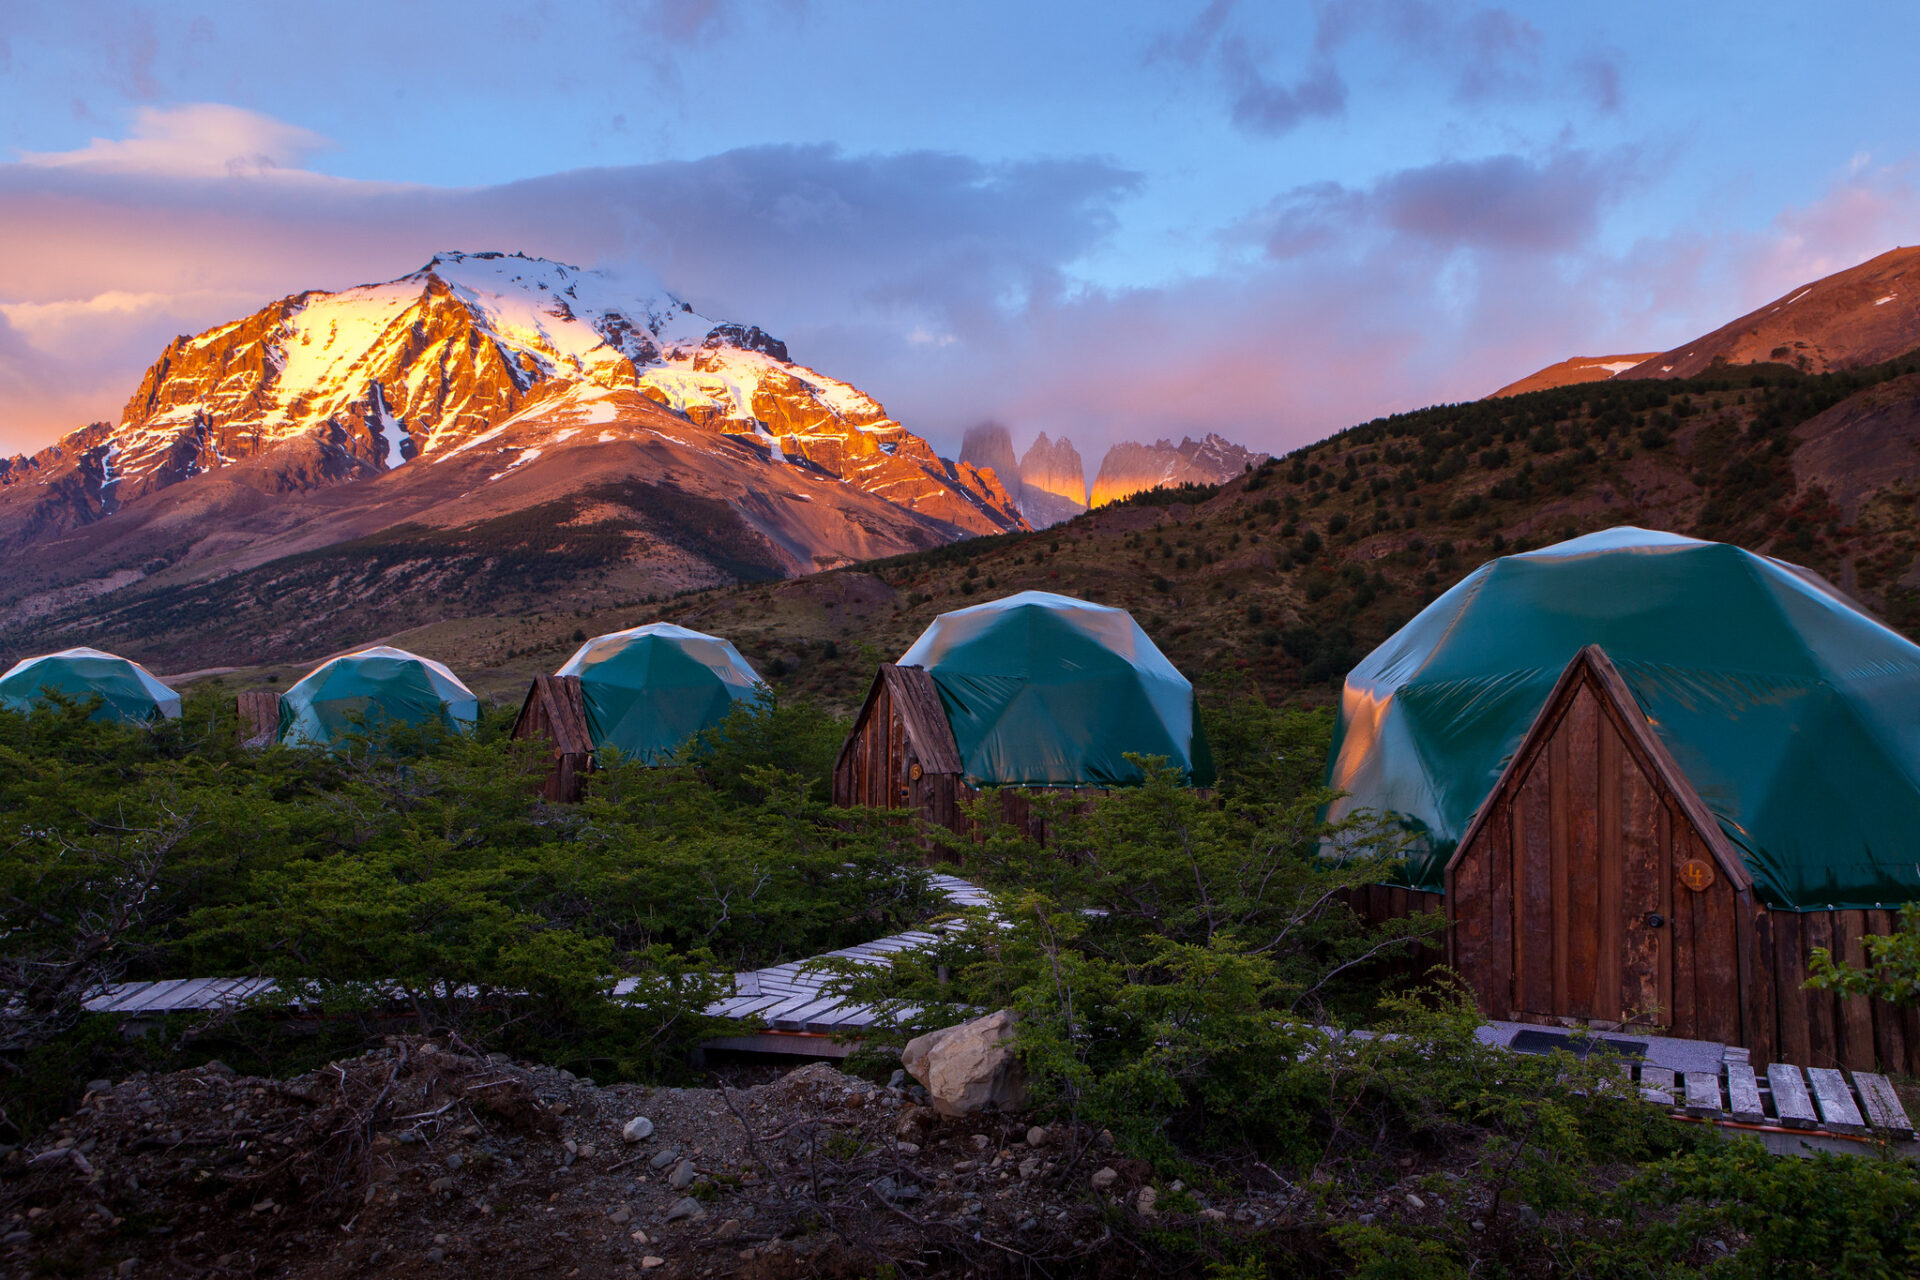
[[789, 999], [1791, 1109], [1822, 1108], [786, 997]]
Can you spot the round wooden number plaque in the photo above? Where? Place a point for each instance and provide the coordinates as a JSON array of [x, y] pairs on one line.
[[1696, 874], [913, 771]]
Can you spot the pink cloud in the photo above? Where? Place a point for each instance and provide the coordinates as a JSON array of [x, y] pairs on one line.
[[943, 285]]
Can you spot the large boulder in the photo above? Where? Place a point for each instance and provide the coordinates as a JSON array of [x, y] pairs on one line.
[[970, 1067]]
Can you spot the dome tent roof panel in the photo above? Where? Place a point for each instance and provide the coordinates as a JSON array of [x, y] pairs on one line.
[[649, 689], [1046, 690], [1777, 698], [369, 686], [128, 691]]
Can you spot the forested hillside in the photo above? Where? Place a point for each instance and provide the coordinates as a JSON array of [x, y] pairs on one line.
[[1280, 580]]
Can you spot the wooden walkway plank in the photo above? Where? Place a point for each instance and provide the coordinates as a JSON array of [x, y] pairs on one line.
[[795, 1019], [1743, 1094], [1703, 1093], [774, 1013], [1791, 1105], [1835, 1100], [192, 993], [156, 996], [110, 996], [755, 1006], [841, 1015], [1881, 1103], [239, 991]]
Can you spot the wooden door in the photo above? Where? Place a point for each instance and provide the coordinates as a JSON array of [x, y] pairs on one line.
[[1590, 839]]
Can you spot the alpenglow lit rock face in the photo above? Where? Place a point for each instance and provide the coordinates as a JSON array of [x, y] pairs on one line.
[[1054, 466], [488, 434], [989, 446], [649, 689], [484, 354], [1130, 468]]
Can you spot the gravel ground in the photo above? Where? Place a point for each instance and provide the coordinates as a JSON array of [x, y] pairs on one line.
[[420, 1159], [425, 1160]]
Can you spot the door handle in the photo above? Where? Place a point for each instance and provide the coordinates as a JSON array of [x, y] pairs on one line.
[[1655, 920]]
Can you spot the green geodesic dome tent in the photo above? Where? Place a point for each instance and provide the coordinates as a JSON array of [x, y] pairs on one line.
[[1795, 716], [127, 691], [649, 689], [370, 688], [1046, 690]]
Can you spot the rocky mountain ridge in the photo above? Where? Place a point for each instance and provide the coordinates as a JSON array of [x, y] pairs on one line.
[[1572, 372], [1050, 481], [989, 447], [1131, 468], [1861, 316]]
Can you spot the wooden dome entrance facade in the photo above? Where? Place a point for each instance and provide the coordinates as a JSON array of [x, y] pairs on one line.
[[902, 754], [555, 712], [1595, 887]]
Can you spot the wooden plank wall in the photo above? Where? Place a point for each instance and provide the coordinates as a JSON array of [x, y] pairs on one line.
[[1822, 1028], [1769, 1011], [871, 761], [555, 712], [902, 723], [1375, 903], [259, 713], [1588, 829]]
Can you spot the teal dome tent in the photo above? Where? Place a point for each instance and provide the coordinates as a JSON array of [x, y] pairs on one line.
[[1046, 690], [126, 689], [1794, 716], [369, 688], [649, 689]]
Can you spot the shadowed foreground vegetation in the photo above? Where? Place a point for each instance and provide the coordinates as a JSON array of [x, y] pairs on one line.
[[1175, 959]]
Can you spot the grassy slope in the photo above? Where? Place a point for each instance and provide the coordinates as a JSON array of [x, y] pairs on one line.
[[1284, 577]]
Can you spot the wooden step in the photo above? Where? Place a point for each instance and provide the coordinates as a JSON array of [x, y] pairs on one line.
[[1835, 1100], [1882, 1104], [1743, 1094], [1792, 1106]]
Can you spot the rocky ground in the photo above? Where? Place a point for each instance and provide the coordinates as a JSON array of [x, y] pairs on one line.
[[423, 1159], [420, 1158]]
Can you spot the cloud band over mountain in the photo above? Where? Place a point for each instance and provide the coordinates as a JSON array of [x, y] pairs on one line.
[[949, 285]]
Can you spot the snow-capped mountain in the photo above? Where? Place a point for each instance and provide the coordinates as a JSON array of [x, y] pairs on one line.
[[475, 350], [465, 390]]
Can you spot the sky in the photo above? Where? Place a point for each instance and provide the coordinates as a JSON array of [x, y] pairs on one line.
[[1113, 220]]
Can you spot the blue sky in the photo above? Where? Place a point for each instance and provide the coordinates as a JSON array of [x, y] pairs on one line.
[[1110, 220]]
